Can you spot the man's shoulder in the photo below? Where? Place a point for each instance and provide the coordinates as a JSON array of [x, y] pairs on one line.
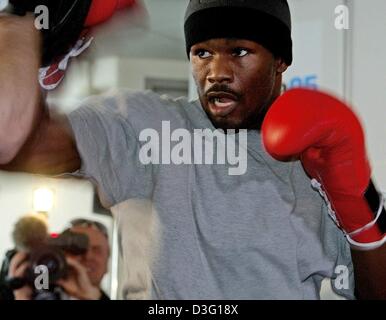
[[122, 100], [139, 108]]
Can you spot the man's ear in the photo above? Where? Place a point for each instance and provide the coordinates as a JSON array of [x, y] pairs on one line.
[[281, 66]]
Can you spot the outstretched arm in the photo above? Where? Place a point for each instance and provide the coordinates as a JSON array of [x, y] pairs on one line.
[[30, 139]]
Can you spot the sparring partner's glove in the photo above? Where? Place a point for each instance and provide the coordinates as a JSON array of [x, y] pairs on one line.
[[327, 137], [67, 22], [67, 19]]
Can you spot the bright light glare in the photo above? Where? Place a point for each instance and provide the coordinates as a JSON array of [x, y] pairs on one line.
[[43, 200]]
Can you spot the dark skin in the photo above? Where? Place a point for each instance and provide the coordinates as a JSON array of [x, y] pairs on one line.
[[370, 275], [241, 73], [243, 77]]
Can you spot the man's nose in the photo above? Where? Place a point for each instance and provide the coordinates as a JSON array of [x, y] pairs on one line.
[[220, 71]]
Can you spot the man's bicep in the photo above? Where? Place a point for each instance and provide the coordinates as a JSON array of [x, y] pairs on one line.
[[50, 150]]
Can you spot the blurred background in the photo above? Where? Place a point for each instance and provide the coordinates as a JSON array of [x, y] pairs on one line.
[[144, 49]]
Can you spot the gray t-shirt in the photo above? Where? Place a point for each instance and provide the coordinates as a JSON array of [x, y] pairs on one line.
[[264, 234]]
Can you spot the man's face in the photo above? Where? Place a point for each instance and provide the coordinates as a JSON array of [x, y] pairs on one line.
[[237, 81], [97, 256]]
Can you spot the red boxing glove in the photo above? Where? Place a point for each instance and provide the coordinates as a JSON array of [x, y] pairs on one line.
[[328, 138]]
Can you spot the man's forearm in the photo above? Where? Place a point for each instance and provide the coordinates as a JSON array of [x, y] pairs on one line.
[[20, 56], [50, 149], [370, 273]]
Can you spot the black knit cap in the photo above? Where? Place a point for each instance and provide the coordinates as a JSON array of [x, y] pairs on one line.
[[267, 22]]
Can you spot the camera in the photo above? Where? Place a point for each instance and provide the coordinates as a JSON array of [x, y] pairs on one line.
[[51, 256]]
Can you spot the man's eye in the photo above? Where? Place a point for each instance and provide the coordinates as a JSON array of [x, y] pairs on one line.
[[202, 54], [240, 52]]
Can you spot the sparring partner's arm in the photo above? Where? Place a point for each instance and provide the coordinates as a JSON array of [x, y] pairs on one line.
[[326, 135], [31, 140]]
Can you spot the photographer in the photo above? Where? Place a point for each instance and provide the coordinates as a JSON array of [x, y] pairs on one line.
[[76, 261], [90, 267]]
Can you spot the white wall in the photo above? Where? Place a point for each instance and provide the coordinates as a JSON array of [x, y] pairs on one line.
[[88, 76], [75, 86], [368, 68], [318, 48], [133, 72]]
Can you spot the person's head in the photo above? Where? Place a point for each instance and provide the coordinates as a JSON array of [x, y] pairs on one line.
[[97, 256], [30, 231], [238, 51]]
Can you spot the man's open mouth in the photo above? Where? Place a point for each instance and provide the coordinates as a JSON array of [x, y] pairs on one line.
[[222, 103]]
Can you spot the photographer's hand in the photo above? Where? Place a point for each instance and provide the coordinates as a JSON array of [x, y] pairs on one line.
[[78, 283], [17, 269]]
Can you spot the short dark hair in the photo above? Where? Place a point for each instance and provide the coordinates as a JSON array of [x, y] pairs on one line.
[[81, 222]]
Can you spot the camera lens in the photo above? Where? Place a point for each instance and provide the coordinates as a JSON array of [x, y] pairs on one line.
[[53, 259], [51, 262]]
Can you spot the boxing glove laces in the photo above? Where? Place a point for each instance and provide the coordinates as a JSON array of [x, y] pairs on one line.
[[327, 137]]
